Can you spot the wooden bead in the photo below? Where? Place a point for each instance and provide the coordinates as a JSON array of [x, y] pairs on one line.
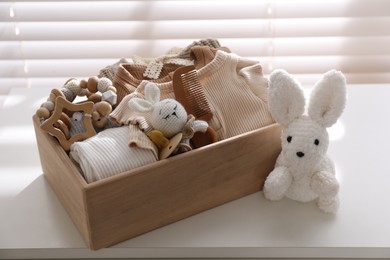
[[98, 120], [43, 112], [83, 92], [52, 97], [96, 97], [111, 88], [92, 84], [83, 84], [103, 107]]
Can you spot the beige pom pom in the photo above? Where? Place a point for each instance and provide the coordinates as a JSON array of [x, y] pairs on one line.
[[103, 84], [74, 86], [69, 95], [49, 105]]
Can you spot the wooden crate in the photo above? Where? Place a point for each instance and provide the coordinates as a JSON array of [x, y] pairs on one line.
[[131, 203]]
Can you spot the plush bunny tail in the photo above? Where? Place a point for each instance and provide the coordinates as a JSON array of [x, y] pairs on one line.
[[328, 98]]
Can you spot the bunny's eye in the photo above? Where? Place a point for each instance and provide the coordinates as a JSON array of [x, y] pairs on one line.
[[289, 138], [316, 142]]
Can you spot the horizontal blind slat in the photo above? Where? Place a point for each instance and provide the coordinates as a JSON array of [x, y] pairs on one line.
[[313, 46], [188, 10], [249, 28], [296, 64]]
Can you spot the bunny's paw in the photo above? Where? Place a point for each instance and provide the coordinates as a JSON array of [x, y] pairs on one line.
[[324, 184], [328, 205], [277, 183]]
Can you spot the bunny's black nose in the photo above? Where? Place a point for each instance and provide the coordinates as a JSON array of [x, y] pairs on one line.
[[300, 154]]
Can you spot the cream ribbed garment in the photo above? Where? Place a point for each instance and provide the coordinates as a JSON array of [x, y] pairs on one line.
[[108, 153], [131, 75], [235, 88]]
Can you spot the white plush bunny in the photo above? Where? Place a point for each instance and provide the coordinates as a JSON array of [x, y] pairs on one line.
[[168, 117], [303, 171]]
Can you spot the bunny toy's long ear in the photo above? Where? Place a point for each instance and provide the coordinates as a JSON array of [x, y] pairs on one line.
[[285, 97], [328, 98], [152, 95]]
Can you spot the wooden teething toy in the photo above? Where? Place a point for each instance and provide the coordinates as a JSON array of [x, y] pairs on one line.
[[50, 124], [95, 89], [55, 118]]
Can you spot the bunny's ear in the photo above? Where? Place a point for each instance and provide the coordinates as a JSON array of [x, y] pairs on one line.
[[285, 97], [152, 93], [328, 98]]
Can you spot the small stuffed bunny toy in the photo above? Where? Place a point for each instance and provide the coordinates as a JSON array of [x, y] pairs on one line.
[[303, 171], [168, 117]]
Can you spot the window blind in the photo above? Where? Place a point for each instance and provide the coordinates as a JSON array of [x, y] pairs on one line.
[[45, 43]]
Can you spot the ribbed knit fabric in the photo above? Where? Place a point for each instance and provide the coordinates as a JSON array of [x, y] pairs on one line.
[[131, 75], [174, 56], [135, 72], [107, 154], [234, 86], [203, 55]]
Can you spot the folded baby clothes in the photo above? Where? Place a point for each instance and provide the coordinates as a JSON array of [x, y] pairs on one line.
[[108, 153], [175, 55], [234, 87], [128, 76]]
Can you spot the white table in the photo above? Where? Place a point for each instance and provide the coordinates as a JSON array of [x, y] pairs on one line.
[[33, 223]]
